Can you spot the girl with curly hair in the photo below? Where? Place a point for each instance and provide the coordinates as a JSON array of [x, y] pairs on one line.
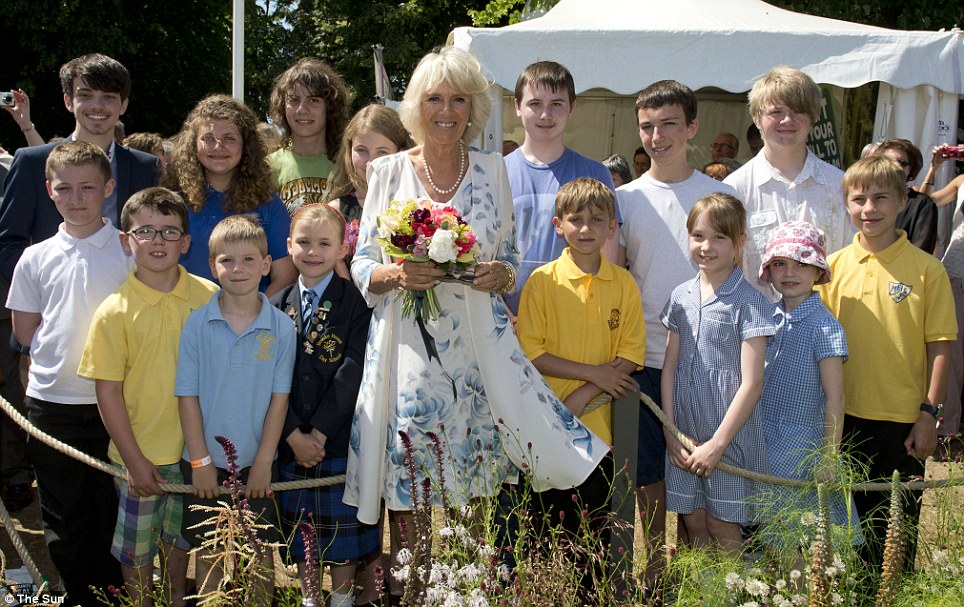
[[219, 166]]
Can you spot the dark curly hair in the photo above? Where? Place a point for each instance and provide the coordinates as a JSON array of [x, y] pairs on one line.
[[251, 185], [320, 80]]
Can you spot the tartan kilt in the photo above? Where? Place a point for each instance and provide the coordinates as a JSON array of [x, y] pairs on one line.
[[341, 538]]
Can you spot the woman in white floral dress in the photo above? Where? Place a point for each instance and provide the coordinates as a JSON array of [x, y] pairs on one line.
[[488, 406]]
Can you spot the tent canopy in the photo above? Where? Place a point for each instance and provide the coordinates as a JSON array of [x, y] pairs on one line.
[[623, 45]]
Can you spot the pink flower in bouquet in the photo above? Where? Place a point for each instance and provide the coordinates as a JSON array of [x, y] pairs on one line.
[[441, 214], [466, 242]]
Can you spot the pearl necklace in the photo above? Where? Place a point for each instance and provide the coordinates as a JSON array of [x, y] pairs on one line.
[[458, 180]]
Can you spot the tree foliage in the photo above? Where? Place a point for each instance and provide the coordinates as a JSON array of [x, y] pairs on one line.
[[343, 32], [895, 14]]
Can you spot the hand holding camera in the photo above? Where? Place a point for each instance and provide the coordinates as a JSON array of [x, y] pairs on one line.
[[18, 104], [951, 151]]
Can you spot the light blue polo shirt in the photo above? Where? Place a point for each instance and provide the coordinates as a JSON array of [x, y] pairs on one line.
[[234, 375]]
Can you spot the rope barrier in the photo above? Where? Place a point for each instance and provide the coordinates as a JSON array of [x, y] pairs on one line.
[[118, 472], [789, 482], [38, 579]]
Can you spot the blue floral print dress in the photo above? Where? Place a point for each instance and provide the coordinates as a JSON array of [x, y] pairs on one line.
[[491, 410]]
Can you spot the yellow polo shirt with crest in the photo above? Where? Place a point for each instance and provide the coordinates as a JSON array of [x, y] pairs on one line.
[[891, 304], [134, 339], [585, 318]]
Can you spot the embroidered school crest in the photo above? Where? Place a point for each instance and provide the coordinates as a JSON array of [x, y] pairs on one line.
[[898, 291], [329, 346], [264, 346], [614, 319]]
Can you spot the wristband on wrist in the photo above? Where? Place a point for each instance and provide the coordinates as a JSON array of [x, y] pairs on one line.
[[200, 463], [28, 129]]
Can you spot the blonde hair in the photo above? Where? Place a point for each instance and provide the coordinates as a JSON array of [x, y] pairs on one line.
[[251, 185], [320, 212], [717, 170], [582, 193], [376, 118], [726, 214], [238, 229], [785, 85], [77, 153], [876, 170], [460, 70]]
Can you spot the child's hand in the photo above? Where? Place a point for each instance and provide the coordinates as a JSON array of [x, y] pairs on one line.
[[259, 482], [612, 381], [676, 451], [205, 481], [704, 459], [308, 451], [922, 439], [321, 438], [577, 401], [142, 477]]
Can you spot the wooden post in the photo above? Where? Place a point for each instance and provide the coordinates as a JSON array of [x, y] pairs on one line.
[[625, 413]]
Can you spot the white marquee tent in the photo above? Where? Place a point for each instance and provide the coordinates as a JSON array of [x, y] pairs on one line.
[[614, 48]]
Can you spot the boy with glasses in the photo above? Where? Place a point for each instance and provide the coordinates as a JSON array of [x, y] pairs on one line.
[[131, 354]]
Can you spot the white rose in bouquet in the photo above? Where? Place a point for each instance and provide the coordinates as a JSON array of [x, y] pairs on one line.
[[442, 249]]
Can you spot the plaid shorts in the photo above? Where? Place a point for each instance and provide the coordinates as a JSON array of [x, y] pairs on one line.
[[141, 521]]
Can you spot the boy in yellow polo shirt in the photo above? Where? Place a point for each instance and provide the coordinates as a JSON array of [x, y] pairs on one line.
[[581, 324], [895, 303], [131, 352]]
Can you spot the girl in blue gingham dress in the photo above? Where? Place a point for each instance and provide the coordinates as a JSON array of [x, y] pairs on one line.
[[713, 376], [803, 394]]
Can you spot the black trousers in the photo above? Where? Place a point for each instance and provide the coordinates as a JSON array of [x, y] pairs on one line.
[[879, 445], [14, 467], [78, 503]]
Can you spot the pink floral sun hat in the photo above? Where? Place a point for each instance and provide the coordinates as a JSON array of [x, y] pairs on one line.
[[800, 241]]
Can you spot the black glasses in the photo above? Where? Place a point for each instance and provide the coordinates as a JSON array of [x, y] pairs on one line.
[[903, 163], [148, 234]]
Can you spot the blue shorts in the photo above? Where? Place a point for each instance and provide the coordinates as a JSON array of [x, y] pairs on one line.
[[651, 449]]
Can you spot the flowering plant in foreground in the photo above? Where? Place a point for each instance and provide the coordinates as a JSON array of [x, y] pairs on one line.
[[420, 230], [233, 541]]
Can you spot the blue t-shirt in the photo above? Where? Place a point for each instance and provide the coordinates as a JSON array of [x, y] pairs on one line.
[[534, 187], [233, 376], [272, 214]]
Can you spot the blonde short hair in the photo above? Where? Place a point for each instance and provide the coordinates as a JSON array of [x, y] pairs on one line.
[[582, 193], [77, 153], [460, 70], [785, 85], [321, 212], [875, 170], [238, 229]]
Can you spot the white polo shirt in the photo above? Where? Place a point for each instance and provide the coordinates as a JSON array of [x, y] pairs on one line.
[[65, 279]]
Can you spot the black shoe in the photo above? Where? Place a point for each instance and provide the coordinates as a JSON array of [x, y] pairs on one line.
[[18, 497]]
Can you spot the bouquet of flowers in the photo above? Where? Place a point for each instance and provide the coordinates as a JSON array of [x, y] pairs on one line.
[[420, 230]]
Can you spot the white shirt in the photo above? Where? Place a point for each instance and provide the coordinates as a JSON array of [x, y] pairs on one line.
[[65, 279], [657, 244], [814, 196]]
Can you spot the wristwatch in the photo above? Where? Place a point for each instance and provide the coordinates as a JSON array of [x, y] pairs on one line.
[[936, 410]]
